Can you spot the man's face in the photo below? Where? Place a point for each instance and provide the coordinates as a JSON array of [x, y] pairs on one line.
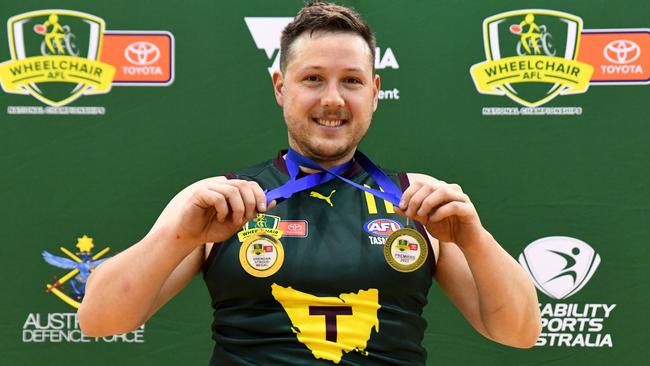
[[328, 94]]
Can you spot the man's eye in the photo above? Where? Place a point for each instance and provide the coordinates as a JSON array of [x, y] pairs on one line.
[[353, 81], [312, 78]]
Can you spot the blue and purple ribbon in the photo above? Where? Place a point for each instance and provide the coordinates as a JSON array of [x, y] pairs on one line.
[[295, 160]]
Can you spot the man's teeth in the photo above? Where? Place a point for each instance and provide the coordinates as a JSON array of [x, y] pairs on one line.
[[330, 122]]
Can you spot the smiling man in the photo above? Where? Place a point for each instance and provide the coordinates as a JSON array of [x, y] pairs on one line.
[[328, 88], [318, 257]]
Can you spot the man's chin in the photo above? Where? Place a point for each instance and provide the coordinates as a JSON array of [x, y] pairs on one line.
[[330, 153]]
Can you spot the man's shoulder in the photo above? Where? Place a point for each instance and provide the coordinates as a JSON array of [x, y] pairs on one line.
[[249, 171]]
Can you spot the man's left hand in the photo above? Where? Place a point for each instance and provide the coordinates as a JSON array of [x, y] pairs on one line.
[[445, 211]]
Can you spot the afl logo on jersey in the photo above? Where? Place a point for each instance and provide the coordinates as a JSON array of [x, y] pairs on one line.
[[382, 227], [261, 255]]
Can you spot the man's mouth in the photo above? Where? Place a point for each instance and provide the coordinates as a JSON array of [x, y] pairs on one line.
[[329, 122]]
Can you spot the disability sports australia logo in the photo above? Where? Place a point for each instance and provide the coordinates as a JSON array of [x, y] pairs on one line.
[[559, 266], [532, 56], [71, 287], [55, 56]]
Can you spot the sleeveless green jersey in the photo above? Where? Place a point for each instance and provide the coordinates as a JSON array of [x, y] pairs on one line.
[[309, 282]]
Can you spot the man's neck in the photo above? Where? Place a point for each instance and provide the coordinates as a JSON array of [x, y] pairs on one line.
[[327, 164]]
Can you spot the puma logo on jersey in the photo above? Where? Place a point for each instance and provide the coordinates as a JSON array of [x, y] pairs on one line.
[[329, 326], [327, 199]]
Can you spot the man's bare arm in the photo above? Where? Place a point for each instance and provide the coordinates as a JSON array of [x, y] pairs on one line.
[[130, 287], [484, 282]]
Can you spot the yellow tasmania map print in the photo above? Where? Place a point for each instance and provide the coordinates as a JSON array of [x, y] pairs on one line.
[[329, 326]]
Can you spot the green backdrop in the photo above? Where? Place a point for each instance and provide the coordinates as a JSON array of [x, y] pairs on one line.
[[109, 176]]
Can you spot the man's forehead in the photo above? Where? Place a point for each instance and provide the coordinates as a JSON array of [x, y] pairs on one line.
[[321, 43]]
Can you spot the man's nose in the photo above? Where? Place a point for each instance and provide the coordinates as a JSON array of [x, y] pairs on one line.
[[332, 97]]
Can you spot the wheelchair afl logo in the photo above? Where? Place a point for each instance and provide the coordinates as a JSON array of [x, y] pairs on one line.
[[560, 266], [55, 56], [531, 57]]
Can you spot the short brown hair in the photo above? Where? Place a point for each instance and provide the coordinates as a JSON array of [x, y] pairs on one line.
[[320, 16]]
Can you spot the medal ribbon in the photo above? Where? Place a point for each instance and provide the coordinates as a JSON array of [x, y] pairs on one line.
[[296, 184], [294, 160]]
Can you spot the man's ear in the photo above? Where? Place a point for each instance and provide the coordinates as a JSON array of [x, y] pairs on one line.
[[278, 87]]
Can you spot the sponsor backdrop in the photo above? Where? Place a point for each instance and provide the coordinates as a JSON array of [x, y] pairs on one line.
[[537, 109]]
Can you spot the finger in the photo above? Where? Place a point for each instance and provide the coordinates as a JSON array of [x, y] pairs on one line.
[[260, 197], [408, 193], [235, 201], [248, 197], [413, 205], [221, 206], [272, 204], [206, 198], [439, 198], [455, 187], [455, 208]]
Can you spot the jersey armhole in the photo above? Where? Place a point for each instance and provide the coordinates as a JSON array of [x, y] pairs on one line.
[[207, 263], [404, 184]]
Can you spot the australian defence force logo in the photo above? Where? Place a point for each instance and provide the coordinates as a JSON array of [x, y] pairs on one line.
[[55, 56], [71, 287], [72, 270], [532, 56]]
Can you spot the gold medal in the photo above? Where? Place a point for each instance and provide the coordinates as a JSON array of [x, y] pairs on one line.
[[261, 255], [406, 250]]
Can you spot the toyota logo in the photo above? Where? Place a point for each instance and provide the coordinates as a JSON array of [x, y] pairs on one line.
[[621, 51], [142, 53], [294, 227]]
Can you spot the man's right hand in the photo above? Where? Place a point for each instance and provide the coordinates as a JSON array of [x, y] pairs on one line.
[[216, 210], [130, 287]]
